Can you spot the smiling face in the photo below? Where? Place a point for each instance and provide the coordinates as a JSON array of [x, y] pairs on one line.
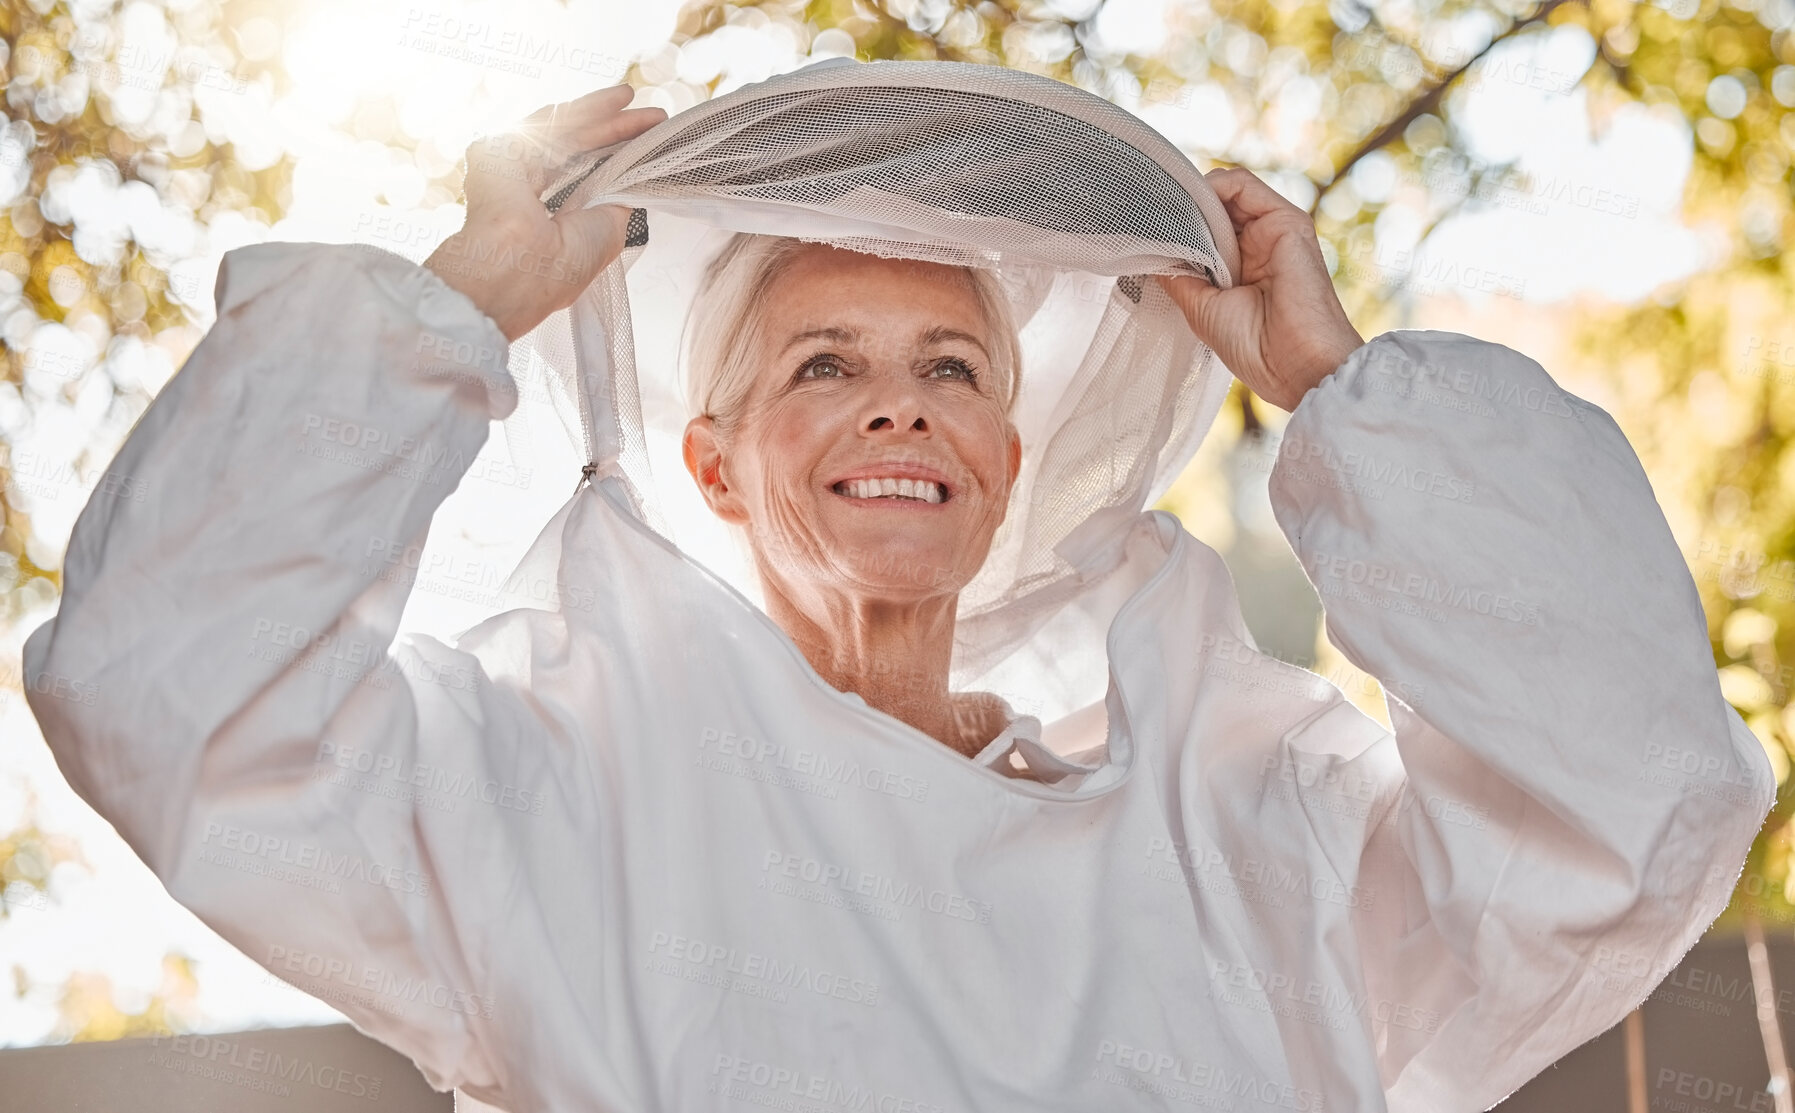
[[872, 451]]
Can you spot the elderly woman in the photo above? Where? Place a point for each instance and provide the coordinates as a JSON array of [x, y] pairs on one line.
[[672, 852]]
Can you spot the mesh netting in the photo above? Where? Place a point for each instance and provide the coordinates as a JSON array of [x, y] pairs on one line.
[[1067, 198]]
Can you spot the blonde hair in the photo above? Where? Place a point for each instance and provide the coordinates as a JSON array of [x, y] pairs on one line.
[[724, 331]]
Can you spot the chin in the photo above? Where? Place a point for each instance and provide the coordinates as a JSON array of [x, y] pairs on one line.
[[919, 570]]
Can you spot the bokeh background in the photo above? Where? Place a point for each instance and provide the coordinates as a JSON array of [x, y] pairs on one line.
[[1603, 185]]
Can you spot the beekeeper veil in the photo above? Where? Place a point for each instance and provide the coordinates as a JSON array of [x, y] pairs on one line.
[[1068, 199]]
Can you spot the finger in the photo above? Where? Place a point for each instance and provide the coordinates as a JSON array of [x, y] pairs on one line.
[[610, 98], [597, 233], [526, 154], [584, 131], [1191, 295], [571, 146], [1246, 194], [597, 119]]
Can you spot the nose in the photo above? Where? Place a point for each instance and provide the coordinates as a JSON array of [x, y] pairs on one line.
[[887, 423], [896, 405]]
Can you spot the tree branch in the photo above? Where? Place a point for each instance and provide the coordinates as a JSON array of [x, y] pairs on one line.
[[1250, 425], [1428, 101]]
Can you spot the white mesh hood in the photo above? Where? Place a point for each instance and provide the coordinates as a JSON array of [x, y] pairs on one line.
[[1068, 198]]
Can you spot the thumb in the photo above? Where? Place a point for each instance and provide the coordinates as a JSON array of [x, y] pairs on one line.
[[594, 236], [1193, 297]]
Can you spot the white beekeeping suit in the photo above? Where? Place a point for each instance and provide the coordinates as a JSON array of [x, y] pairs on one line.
[[622, 848]]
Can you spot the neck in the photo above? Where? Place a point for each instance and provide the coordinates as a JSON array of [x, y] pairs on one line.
[[893, 654]]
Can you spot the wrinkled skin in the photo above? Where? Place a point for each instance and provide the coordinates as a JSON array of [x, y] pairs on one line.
[[867, 589], [868, 592]]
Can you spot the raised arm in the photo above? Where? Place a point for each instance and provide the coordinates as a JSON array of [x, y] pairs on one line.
[[1566, 798], [350, 817], [1576, 797], [229, 634]]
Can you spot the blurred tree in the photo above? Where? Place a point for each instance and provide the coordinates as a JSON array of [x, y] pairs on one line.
[[86, 1004], [28, 855], [89, 1009], [62, 122], [105, 98]]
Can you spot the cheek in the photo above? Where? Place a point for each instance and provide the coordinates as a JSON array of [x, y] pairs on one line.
[[786, 445], [786, 452], [987, 451]]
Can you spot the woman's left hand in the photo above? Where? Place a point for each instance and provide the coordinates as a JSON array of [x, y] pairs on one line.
[[1281, 329]]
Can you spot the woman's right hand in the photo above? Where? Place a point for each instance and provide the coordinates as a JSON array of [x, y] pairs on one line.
[[515, 259]]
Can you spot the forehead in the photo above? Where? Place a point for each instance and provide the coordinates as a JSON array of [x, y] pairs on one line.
[[822, 281]]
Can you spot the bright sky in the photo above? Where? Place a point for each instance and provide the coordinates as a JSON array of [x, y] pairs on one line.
[[1545, 244]]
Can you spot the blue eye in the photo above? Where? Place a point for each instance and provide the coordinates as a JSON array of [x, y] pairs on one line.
[[819, 361], [972, 376]]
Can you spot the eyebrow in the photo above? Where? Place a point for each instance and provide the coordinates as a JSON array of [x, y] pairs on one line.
[[852, 336]]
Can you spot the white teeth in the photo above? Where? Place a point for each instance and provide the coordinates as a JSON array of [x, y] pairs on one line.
[[919, 489]]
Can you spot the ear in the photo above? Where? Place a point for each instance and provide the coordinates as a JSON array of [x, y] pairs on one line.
[[1015, 454], [703, 453]]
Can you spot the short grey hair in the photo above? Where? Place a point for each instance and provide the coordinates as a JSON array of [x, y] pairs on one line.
[[724, 331]]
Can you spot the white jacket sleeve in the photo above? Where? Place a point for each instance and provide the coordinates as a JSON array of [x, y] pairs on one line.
[[218, 682], [1575, 798]]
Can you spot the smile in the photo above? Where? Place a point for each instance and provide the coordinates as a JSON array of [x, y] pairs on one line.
[[899, 492]]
